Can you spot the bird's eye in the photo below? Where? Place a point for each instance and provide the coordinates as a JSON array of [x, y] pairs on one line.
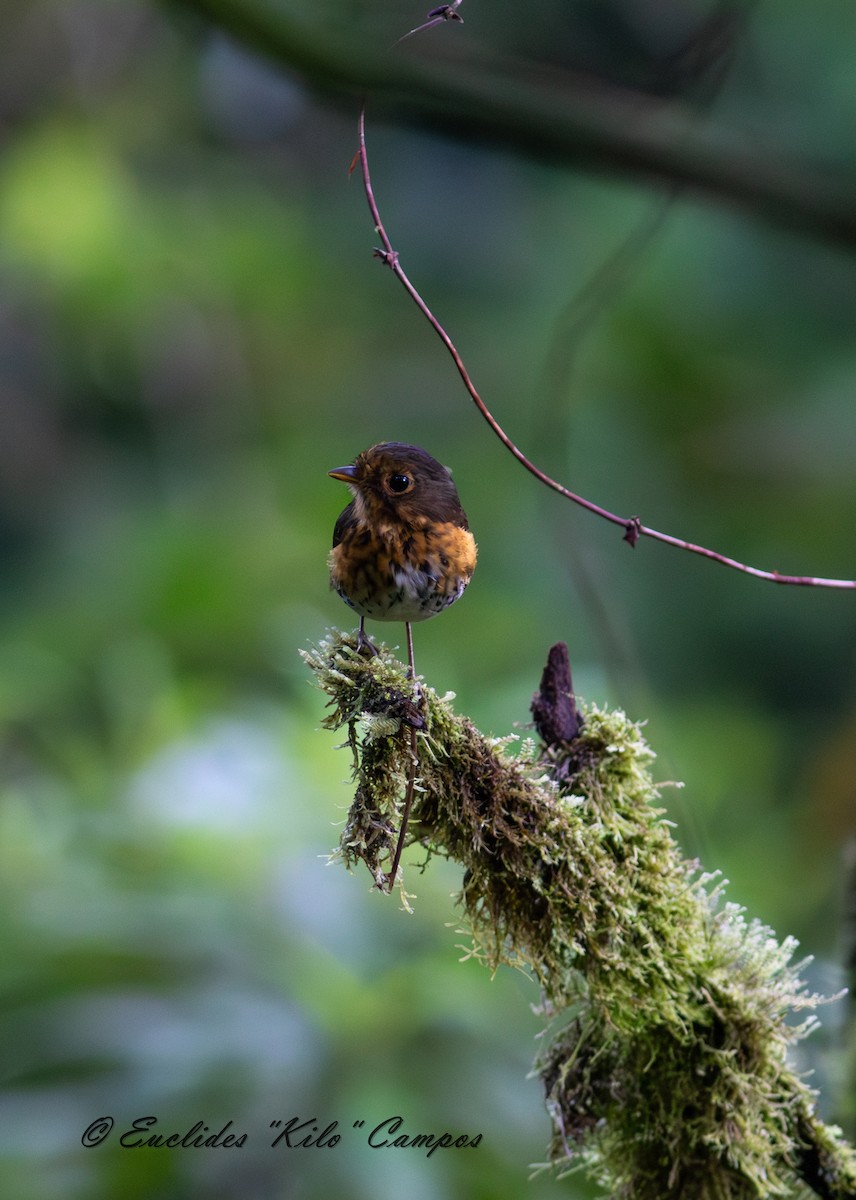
[[399, 484]]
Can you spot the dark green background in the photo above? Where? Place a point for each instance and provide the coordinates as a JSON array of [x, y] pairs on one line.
[[192, 331]]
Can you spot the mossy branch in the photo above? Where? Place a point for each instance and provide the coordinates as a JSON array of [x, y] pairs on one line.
[[670, 1015]]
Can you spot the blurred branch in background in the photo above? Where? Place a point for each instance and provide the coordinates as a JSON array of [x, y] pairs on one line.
[[543, 112]]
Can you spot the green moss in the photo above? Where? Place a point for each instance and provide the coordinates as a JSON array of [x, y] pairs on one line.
[[669, 1014]]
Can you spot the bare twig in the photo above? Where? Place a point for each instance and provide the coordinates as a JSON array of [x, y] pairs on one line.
[[632, 526]]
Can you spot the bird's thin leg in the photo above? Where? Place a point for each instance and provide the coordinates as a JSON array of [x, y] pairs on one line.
[[411, 665], [364, 643]]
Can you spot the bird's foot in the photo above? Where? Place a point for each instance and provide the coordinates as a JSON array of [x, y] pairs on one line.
[[418, 692], [365, 645]]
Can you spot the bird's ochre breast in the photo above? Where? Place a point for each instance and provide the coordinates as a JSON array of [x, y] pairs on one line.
[[402, 573]]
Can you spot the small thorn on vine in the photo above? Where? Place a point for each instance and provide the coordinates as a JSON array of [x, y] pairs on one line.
[[389, 258], [445, 12], [448, 12], [633, 531]]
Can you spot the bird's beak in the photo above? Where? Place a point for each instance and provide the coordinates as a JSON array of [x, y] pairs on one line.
[[346, 474]]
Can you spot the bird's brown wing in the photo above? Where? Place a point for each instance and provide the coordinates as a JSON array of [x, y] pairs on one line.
[[345, 521]]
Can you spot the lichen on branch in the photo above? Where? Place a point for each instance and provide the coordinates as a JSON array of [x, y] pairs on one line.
[[670, 1014]]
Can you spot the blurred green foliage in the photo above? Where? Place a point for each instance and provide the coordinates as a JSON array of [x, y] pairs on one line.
[[192, 331]]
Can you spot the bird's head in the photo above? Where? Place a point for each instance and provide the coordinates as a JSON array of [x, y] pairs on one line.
[[397, 483]]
